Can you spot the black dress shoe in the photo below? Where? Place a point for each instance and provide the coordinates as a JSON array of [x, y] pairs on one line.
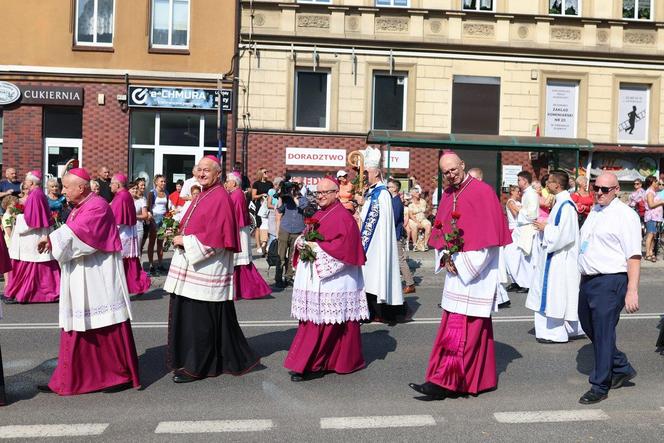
[[592, 397], [118, 388], [9, 301], [512, 287], [618, 380], [297, 377], [45, 389], [504, 305], [430, 390], [545, 341], [181, 377], [521, 290]]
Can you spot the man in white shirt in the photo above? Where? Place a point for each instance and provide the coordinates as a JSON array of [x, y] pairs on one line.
[[609, 262], [519, 259], [185, 193], [554, 293]]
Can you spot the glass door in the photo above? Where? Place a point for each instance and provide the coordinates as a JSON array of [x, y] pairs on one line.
[[177, 167], [57, 152]]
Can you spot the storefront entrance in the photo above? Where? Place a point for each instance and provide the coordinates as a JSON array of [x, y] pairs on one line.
[[176, 167], [58, 151]]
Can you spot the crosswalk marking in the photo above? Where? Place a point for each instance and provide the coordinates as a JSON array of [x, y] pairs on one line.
[[384, 421], [60, 430], [212, 426], [550, 416]]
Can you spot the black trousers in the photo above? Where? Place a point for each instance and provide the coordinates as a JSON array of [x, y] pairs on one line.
[[3, 398], [384, 312], [601, 298]]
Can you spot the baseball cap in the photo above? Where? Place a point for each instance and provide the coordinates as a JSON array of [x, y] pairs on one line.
[[341, 173]]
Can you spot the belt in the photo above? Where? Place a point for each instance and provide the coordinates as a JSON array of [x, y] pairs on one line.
[[592, 276]]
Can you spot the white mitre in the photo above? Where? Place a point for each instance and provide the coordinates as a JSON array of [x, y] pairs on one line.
[[371, 157]]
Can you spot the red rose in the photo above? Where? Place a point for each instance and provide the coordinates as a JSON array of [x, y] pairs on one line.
[[310, 221], [54, 214], [437, 224], [456, 215]]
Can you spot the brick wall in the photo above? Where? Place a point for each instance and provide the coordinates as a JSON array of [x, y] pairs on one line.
[[105, 129], [23, 146]]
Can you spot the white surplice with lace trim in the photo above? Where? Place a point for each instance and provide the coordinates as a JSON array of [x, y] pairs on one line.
[[328, 291], [93, 289]]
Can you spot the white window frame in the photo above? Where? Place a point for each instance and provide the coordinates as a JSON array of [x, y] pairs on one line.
[[94, 34], [61, 142], [404, 119], [328, 102], [391, 5], [160, 150], [636, 11], [477, 8], [170, 27], [562, 9]]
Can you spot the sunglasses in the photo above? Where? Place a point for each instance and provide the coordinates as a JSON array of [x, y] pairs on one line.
[[604, 189]]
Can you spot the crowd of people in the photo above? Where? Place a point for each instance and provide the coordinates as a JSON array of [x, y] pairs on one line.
[[344, 250]]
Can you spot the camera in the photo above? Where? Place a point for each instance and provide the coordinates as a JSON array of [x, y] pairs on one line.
[[289, 189]]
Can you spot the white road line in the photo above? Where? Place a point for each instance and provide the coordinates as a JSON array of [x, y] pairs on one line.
[[551, 416], [385, 421], [212, 426], [276, 323], [61, 430]]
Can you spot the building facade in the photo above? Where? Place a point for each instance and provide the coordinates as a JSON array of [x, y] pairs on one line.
[[128, 84], [318, 74]]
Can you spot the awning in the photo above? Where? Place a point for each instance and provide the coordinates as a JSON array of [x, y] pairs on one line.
[[478, 142]]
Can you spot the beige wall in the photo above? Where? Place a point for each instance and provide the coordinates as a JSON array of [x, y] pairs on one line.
[[270, 93], [39, 33]]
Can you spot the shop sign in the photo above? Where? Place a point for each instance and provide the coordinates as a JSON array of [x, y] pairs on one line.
[[51, 95], [309, 179], [510, 175], [179, 98], [633, 104], [9, 93], [561, 106], [398, 159], [316, 157]]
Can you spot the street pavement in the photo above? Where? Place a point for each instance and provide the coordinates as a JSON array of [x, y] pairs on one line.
[[536, 400]]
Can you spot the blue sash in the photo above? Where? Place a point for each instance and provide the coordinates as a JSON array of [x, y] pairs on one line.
[[545, 284], [371, 220]]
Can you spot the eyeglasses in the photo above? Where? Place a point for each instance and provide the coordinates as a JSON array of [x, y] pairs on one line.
[[604, 189], [322, 193]]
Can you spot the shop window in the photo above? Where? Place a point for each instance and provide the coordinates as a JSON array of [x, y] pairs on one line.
[[312, 100], [393, 3], [142, 127], [637, 9], [478, 5], [142, 165], [179, 129], [94, 22], [170, 23], [210, 130], [564, 7], [475, 105], [389, 97], [633, 113], [63, 122]]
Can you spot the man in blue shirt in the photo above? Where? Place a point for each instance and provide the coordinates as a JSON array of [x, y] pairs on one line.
[[394, 186], [10, 185]]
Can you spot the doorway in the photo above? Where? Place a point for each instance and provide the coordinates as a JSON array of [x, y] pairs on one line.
[[177, 167], [57, 152]]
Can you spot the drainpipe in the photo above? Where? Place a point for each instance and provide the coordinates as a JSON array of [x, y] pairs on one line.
[[232, 146]]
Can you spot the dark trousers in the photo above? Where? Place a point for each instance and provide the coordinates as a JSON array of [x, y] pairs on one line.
[[601, 298]]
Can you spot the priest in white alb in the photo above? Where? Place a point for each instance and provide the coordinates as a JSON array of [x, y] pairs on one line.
[[204, 336], [469, 230], [519, 258], [382, 278], [124, 210], [554, 293], [97, 350]]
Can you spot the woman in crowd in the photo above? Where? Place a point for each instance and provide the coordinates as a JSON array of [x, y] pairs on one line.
[[158, 205], [583, 198], [140, 191], [637, 199], [417, 213], [94, 186], [653, 215], [273, 216], [259, 190], [513, 206], [141, 210], [56, 201], [176, 202], [346, 191]]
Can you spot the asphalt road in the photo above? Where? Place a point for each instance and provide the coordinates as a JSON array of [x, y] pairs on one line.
[[536, 399]]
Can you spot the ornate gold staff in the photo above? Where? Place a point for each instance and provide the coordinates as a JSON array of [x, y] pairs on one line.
[[356, 160]]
